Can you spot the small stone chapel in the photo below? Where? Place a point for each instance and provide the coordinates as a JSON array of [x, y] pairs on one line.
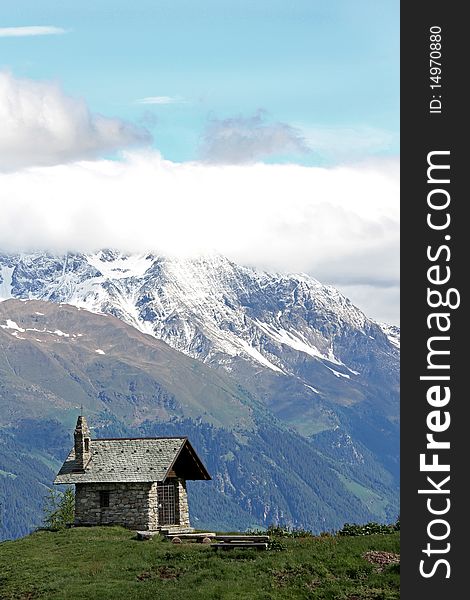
[[139, 483]]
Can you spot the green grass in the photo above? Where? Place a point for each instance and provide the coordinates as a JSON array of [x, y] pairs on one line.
[[109, 563]]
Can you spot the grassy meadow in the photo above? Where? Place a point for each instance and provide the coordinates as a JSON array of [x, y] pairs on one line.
[[107, 563]]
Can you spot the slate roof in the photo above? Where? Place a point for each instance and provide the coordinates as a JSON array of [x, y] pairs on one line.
[[124, 460]]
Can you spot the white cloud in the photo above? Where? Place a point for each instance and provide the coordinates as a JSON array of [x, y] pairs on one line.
[[41, 125], [158, 100], [381, 303], [338, 224], [30, 30], [240, 140]]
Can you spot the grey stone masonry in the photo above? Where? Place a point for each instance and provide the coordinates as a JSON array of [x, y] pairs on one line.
[[128, 504], [183, 507], [153, 508], [133, 505]]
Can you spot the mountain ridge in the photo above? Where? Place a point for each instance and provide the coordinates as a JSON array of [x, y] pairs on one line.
[[196, 277]]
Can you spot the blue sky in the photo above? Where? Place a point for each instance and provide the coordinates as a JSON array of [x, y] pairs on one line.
[[328, 69]]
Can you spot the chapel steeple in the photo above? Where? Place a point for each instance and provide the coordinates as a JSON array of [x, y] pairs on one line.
[[82, 444]]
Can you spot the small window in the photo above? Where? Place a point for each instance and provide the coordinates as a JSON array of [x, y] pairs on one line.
[[87, 445], [104, 499]]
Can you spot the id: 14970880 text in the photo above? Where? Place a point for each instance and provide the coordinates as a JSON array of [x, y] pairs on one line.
[[435, 69]]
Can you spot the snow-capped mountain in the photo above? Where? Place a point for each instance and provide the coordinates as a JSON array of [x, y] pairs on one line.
[[297, 344], [207, 307]]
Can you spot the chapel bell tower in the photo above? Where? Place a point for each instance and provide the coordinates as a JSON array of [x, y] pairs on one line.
[[82, 443]]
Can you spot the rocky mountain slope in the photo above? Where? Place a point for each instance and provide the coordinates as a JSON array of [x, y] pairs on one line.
[[57, 358]]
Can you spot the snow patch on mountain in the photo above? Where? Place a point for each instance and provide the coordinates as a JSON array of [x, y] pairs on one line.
[[310, 387], [253, 352], [338, 374], [60, 333], [5, 282], [392, 332], [296, 342], [120, 266], [12, 325]]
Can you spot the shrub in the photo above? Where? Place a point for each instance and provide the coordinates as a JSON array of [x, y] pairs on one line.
[[368, 529], [59, 509], [277, 546], [277, 531]]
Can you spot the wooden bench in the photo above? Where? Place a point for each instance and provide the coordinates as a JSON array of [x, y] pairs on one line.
[[168, 531], [191, 537], [235, 545], [259, 542], [242, 538]]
